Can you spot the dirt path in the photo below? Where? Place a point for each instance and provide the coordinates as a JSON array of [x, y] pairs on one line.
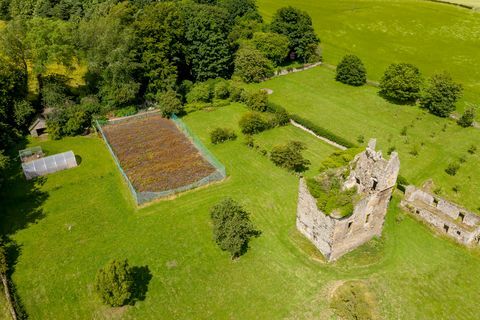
[[330, 142]]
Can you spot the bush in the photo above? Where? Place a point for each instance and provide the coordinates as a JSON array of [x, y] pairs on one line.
[[125, 112], [200, 92], [281, 116], [468, 118], [222, 90], [273, 45], [339, 159], [232, 228], [290, 157], [401, 83], [115, 283], [23, 112], [253, 122], [472, 149], [236, 93], [251, 65], [440, 96], [69, 120], [452, 168], [321, 131], [351, 71], [220, 135], [169, 103], [257, 101]]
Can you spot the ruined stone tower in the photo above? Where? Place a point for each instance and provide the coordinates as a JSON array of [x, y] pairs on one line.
[[375, 178]]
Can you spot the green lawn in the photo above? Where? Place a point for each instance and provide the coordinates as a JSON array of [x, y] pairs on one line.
[[352, 112], [87, 218], [433, 36]]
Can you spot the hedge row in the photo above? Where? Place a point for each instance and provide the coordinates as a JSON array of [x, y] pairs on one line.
[[321, 131]]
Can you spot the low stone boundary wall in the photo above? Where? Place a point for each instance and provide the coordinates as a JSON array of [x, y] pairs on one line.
[[444, 216]]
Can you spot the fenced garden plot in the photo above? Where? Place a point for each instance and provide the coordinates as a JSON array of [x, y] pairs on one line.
[[159, 157]]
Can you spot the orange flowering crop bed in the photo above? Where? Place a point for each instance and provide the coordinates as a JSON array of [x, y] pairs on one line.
[[155, 155]]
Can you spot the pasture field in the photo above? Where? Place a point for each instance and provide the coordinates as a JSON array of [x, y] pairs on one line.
[[85, 217], [426, 144], [155, 154], [433, 36]]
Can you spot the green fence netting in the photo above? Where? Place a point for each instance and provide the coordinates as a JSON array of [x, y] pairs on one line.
[[146, 196]]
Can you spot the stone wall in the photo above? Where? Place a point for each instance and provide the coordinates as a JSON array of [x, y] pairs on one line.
[[446, 217], [374, 178]]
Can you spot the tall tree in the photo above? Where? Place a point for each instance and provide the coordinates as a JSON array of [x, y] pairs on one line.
[[108, 40], [207, 49], [297, 26], [440, 95], [159, 30]]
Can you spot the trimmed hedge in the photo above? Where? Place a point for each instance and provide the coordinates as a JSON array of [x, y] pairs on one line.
[[321, 131]]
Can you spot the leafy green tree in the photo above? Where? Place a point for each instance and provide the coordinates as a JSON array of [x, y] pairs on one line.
[[23, 112], [159, 30], [114, 283], [440, 95], [232, 228], [240, 8], [290, 157], [200, 92], [257, 101], [107, 38], [252, 123], [297, 26], [468, 118], [273, 45], [22, 8], [351, 71], [169, 103], [207, 49], [401, 83], [251, 65]]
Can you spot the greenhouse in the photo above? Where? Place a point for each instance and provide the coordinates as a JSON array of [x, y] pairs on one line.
[[35, 165]]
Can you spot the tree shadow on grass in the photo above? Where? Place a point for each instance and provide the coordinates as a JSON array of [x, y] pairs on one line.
[[141, 278]]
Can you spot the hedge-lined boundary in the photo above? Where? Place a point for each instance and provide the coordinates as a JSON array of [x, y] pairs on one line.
[[321, 131]]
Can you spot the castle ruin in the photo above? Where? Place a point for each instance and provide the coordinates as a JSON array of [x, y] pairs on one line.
[[374, 178], [448, 218]]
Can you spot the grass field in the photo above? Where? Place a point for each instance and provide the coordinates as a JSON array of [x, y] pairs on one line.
[[86, 217], [351, 112], [433, 36]]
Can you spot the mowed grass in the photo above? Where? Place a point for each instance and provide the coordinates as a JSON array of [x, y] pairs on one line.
[[89, 218], [352, 112], [433, 36]]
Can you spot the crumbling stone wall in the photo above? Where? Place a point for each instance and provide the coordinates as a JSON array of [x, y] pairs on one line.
[[446, 217], [375, 178]]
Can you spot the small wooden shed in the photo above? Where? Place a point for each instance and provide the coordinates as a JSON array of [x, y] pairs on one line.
[[38, 127]]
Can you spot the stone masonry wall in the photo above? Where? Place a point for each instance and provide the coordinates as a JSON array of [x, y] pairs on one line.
[[446, 217], [374, 178]]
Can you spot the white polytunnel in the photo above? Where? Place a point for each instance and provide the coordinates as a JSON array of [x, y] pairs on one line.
[[50, 164]]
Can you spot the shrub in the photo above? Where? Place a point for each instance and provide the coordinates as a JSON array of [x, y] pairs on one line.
[[468, 118], [236, 92], [257, 101], [232, 228], [351, 71], [249, 141], [339, 159], [360, 139], [281, 116], [327, 189], [253, 122], [321, 131], [290, 157], [220, 135], [169, 103], [222, 90], [391, 149], [200, 92], [251, 65], [404, 131], [23, 112], [115, 283], [452, 168], [440, 95], [273, 45], [125, 112], [401, 83]]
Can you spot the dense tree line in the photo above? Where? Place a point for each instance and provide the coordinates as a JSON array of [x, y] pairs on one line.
[[136, 53]]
